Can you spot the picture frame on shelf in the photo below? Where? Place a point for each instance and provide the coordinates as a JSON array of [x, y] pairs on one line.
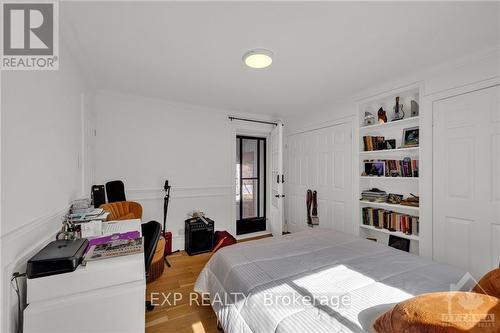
[[410, 137], [390, 144], [394, 199], [374, 168]]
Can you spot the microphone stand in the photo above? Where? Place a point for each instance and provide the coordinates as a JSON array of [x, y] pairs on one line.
[[166, 199]]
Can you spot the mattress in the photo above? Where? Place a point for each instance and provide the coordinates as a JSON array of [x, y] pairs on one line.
[[318, 280]]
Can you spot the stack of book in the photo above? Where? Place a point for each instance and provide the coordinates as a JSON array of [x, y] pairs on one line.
[[392, 221], [89, 214], [374, 143], [374, 195]]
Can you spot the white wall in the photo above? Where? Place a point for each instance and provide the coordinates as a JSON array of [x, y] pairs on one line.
[[40, 163], [466, 73], [145, 141]]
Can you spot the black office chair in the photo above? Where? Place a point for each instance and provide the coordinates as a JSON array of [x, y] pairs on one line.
[[151, 232], [115, 190]]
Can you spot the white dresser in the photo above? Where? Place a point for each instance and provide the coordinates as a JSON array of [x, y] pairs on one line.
[[103, 296]]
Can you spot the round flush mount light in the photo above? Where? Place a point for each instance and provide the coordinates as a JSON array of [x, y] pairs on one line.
[[258, 58]]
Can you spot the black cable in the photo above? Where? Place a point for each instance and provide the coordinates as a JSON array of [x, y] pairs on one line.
[[15, 276]]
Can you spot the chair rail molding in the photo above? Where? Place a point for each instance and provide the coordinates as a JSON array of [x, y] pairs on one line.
[[217, 201], [179, 192]]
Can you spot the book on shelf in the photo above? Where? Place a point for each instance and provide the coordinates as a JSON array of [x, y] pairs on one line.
[[390, 220], [372, 143], [406, 167]]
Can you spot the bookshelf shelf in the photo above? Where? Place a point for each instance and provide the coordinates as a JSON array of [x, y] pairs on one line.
[[390, 124], [390, 151], [391, 178], [385, 231], [379, 133], [389, 206]]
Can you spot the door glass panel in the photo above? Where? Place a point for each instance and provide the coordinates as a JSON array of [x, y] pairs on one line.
[[249, 158], [262, 178], [249, 192], [237, 178]]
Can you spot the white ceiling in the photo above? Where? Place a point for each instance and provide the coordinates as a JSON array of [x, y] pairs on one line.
[[324, 51]]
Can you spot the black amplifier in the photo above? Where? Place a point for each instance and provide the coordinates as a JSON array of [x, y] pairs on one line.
[[199, 236]]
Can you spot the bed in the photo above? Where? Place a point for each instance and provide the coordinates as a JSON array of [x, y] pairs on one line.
[[317, 280]]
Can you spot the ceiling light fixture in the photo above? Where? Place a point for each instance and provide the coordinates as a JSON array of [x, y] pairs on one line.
[[258, 58]]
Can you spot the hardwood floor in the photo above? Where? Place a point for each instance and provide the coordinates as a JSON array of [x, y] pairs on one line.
[[179, 316]]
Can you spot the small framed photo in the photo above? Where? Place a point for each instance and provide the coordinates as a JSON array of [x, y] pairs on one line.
[[394, 199], [374, 168], [410, 137], [390, 144]]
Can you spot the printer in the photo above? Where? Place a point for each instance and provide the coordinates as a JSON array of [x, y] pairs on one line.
[[59, 256]]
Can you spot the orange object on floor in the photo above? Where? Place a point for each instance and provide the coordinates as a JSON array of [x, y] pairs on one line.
[[222, 239]]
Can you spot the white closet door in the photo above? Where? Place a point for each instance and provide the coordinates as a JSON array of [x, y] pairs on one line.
[[466, 180], [321, 160], [277, 180]]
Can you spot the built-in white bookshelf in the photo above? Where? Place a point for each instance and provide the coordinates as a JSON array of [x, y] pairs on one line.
[[389, 182]]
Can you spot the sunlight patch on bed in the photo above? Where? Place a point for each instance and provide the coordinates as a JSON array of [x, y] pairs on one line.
[[338, 278]]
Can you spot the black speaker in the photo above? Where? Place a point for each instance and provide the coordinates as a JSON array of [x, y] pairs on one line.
[[199, 236], [98, 195]]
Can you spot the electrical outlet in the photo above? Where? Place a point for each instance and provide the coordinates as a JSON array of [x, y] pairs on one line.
[[180, 232]]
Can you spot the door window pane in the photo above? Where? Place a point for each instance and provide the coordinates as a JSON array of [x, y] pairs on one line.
[[237, 179], [249, 158], [262, 178], [249, 194]]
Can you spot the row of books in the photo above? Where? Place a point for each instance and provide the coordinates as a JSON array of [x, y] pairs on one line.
[[392, 221], [401, 168], [374, 143], [406, 167]]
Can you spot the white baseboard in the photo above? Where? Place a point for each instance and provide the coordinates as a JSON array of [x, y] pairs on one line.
[[253, 234]]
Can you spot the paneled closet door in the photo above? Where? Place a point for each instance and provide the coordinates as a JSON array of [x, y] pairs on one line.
[[466, 180], [321, 160]]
